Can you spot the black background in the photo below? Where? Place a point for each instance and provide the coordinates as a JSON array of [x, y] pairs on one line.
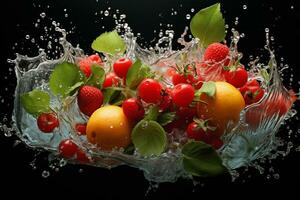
[[16, 175]]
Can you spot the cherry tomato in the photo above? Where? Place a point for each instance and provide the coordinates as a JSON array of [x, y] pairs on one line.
[[166, 100], [133, 109], [252, 92], [47, 122], [81, 129], [67, 148], [183, 94], [111, 79], [150, 91], [86, 63], [237, 78], [197, 133], [121, 67]]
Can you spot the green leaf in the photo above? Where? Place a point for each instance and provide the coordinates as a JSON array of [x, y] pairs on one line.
[[112, 94], [200, 159], [209, 88], [149, 138], [109, 42], [35, 102], [64, 77], [74, 88], [166, 118], [136, 73], [152, 113], [97, 77], [208, 25]]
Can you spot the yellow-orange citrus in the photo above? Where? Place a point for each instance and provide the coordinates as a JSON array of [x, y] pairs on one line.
[[223, 108], [109, 128]]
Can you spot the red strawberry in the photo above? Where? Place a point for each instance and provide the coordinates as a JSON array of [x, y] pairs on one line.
[[216, 52], [89, 99], [86, 63]]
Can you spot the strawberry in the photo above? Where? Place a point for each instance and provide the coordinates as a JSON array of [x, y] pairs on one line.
[[89, 99], [216, 52], [86, 63]]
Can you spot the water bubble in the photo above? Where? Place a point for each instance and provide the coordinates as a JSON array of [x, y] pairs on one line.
[[245, 7], [276, 176], [192, 10], [62, 162], [188, 16], [45, 174], [27, 37], [43, 15], [106, 13], [267, 30], [236, 22]]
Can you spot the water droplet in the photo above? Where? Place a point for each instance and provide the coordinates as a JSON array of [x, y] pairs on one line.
[[175, 12], [192, 10], [45, 174], [267, 30], [66, 15], [245, 7], [106, 13], [111, 126], [276, 176], [27, 37], [188, 16], [43, 15], [65, 10], [292, 7]]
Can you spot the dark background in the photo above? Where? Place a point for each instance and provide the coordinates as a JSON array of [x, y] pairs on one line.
[[17, 176]]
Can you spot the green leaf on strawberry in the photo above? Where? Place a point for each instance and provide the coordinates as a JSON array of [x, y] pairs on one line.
[[200, 159], [109, 42], [35, 102], [65, 78], [149, 138], [208, 25], [137, 73], [97, 77]]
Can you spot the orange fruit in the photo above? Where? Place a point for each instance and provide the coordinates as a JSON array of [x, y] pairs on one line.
[[109, 128], [224, 107]]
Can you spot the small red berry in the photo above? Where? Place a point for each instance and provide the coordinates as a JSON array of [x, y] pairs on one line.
[[111, 79], [47, 122], [81, 129], [150, 91], [67, 148], [133, 109], [183, 94], [121, 67]]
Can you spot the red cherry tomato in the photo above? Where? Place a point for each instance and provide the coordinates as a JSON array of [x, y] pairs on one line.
[[166, 100], [133, 109], [86, 63], [237, 78], [47, 122], [81, 129], [150, 91], [111, 79], [82, 157], [197, 133], [183, 94], [67, 148], [121, 67]]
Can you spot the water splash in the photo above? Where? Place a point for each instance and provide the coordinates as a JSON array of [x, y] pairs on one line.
[[243, 145]]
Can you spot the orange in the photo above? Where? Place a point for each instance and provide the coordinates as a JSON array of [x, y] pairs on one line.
[[224, 107], [109, 128]]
